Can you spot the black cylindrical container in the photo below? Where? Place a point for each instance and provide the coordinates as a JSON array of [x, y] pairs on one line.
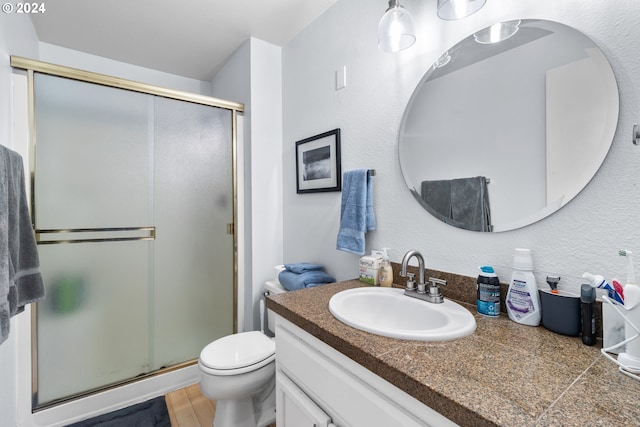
[[587, 301], [561, 312]]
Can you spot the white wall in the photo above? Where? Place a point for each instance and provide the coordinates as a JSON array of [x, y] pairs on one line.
[[266, 165], [17, 37], [97, 64], [583, 236], [253, 76], [233, 82]]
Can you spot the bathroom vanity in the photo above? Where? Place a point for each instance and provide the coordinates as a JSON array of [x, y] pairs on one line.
[[503, 374], [317, 385]]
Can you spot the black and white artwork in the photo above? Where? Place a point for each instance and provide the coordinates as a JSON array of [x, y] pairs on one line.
[[318, 163]]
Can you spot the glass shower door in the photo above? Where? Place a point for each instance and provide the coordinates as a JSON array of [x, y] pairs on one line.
[[193, 254], [142, 187], [93, 144]]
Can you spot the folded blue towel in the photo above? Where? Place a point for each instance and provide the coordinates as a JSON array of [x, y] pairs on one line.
[[356, 211], [302, 267], [293, 281]]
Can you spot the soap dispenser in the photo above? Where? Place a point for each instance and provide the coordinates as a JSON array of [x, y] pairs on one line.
[[385, 277]]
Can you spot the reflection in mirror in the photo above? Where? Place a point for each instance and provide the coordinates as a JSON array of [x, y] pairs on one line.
[[497, 32], [501, 134]]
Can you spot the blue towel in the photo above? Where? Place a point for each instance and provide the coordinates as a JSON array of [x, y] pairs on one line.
[[356, 211], [302, 267], [292, 281]]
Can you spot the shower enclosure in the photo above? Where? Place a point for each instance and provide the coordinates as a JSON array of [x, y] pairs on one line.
[[134, 212]]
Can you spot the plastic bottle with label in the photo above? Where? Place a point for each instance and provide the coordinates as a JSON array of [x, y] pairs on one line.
[[385, 277], [523, 299], [587, 302], [488, 292]]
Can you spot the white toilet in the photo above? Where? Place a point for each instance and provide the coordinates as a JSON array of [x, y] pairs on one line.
[[239, 371]]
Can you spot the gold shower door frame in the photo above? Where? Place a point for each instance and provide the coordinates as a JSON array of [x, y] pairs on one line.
[[133, 233]]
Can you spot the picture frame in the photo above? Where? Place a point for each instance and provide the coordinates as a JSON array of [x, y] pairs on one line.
[[318, 166]]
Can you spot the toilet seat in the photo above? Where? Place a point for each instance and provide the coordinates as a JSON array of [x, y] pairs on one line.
[[238, 353]]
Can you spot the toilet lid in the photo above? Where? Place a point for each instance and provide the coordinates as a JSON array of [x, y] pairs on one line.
[[238, 351]]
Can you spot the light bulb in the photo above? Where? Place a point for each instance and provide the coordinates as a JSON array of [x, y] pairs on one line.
[[395, 30]]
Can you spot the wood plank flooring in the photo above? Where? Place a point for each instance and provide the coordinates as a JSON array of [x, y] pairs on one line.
[[189, 408]]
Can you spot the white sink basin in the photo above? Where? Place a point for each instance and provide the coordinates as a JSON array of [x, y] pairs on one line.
[[388, 312]]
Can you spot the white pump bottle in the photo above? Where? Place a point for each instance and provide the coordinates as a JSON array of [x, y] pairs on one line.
[[386, 271]]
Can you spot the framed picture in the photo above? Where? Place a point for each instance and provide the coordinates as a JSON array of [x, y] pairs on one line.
[[318, 163]]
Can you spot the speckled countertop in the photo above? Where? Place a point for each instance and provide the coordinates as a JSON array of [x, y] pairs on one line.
[[503, 374]]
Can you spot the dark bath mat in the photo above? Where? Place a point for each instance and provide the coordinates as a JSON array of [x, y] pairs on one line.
[[152, 413]]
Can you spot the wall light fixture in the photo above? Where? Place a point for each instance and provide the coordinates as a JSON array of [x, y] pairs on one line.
[[450, 10], [395, 29]]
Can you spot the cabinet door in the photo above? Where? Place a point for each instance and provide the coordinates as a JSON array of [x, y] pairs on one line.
[[296, 409]]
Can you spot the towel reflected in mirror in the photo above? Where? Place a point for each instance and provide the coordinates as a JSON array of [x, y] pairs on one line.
[[462, 202]]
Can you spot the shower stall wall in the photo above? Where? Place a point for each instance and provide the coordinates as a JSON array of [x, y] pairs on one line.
[[134, 212]]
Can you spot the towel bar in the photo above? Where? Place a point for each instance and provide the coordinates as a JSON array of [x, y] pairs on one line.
[[130, 234]]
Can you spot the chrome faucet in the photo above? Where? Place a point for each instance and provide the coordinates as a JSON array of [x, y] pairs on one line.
[[403, 270], [433, 294]]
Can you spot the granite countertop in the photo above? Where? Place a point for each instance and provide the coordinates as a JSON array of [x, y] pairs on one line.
[[504, 374]]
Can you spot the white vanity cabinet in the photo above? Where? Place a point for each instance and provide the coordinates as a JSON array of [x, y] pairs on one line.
[[317, 386], [296, 409]]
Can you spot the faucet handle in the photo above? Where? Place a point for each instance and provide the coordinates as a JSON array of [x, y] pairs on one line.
[[434, 289], [411, 282], [435, 281]]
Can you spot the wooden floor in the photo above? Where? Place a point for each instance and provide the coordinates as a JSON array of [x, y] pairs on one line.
[[189, 408]]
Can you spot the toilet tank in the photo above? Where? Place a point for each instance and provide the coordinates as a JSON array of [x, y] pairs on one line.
[[272, 287]]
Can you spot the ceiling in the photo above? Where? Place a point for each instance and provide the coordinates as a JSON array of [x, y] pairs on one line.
[[190, 38]]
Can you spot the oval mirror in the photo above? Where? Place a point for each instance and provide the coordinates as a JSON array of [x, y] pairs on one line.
[[508, 125]]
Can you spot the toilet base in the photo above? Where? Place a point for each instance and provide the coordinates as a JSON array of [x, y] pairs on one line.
[[255, 411]]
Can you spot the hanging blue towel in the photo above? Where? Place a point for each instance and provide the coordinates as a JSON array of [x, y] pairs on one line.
[[356, 211]]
